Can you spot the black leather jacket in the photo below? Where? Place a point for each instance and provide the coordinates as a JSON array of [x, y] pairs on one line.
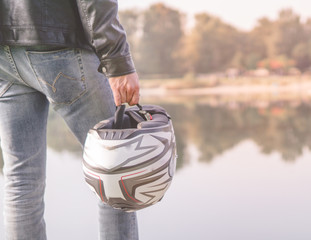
[[69, 23]]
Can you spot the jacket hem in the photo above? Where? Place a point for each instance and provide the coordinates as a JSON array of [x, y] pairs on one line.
[[37, 36]]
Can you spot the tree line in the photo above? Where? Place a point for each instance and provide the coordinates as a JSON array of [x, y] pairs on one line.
[[162, 46]]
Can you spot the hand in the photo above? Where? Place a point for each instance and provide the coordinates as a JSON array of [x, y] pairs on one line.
[[125, 89]]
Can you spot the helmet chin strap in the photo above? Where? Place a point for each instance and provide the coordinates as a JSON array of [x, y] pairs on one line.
[[139, 106], [139, 116], [118, 117]]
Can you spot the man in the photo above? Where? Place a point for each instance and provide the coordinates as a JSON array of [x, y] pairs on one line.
[[49, 55]]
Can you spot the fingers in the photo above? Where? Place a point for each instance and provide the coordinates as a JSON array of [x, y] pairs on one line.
[[117, 98], [123, 96], [132, 95], [135, 99], [125, 89]]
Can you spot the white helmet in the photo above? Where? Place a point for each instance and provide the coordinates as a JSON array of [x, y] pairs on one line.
[[129, 160]]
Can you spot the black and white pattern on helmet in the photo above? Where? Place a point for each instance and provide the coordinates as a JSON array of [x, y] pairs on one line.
[[130, 169]]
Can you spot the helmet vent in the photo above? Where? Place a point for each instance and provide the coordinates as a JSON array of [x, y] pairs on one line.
[[113, 135], [121, 134]]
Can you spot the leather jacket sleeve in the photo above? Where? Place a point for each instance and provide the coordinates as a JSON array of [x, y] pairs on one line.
[[106, 35]]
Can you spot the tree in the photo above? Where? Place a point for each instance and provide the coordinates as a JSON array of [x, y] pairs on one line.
[[265, 32], [250, 49], [290, 32], [130, 21], [285, 41], [211, 44], [161, 34], [301, 53]]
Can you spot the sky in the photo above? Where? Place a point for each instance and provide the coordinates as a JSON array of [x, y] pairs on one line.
[[242, 14]]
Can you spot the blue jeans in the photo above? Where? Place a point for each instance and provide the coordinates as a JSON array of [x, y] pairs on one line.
[[31, 79]]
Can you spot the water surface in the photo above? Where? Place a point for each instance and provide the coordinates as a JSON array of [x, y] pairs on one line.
[[243, 172]]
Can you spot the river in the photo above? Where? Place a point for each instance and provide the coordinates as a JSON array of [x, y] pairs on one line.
[[243, 172]]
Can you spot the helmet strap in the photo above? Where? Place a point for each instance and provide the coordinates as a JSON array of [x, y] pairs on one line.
[[118, 117]]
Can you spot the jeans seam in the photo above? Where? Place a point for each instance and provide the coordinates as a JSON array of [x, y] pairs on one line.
[[55, 80], [79, 58], [47, 52], [9, 56], [34, 72]]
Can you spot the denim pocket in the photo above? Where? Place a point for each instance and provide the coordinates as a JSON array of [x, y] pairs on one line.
[[4, 86], [60, 74]]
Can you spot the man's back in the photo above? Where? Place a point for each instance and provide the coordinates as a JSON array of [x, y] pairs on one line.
[[32, 22]]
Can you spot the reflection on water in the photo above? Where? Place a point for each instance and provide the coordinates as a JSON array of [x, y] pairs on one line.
[[242, 195], [246, 191], [279, 127]]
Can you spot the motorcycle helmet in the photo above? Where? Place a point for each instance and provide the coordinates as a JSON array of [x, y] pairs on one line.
[[129, 160]]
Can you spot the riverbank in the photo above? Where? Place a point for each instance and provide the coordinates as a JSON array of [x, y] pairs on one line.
[[256, 90], [244, 85]]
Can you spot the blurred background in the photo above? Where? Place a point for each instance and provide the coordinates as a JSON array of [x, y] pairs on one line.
[[235, 77], [171, 41]]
